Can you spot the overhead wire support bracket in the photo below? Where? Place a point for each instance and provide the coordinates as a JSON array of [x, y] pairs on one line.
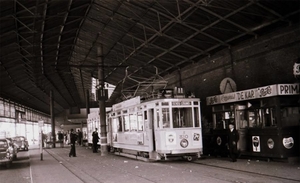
[[143, 85]]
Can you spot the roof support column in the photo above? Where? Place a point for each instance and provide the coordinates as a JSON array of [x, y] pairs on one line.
[[101, 99], [52, 119]]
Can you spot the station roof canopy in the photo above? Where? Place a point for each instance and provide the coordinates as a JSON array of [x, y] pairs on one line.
[[58, 45]]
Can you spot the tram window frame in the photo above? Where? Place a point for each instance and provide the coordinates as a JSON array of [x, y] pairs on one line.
[[140, 121], [133, 122], [158, 117], [254, 118], [120, 124], [166, 120], [114, 125], [196, 117], [126, 123], [289, 110], [289, 116], [242, 117], [221, 120], [182, 117]]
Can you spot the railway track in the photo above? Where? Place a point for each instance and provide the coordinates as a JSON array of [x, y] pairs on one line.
[[167, 171], [246, 171]]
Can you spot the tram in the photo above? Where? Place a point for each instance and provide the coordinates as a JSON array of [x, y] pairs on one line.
[[93, 122], [156, 129], [267, 119]]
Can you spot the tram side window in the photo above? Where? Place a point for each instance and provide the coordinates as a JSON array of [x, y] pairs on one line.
[[268, 117], [140, 122], [166, 117], [262, 118], [242, 117], [133, 122], [254, 118], [182, 117], [120, 127], [196, 117], [221, 120], [290, 116], [115, 125], [126, 123], [157, 118]]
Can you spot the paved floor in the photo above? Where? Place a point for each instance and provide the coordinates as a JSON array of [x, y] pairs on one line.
[[57, 166]]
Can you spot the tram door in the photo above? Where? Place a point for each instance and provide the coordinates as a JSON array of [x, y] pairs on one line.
[[151, 130], [240, 125]]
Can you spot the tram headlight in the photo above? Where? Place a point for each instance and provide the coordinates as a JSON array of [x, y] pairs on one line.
[[271, 143], [184, 143]]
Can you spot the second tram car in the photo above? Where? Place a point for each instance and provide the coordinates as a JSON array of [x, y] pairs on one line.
[[93, 122], [267, 119], [156, 129]]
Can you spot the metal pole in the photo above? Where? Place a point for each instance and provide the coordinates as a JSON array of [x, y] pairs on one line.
[[101, 98], [41, 143], [52, 119]]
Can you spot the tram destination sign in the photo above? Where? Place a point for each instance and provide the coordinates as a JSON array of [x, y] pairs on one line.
[[255, 93]]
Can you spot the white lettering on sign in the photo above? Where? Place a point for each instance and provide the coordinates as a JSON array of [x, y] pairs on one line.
[[296, 69], [245, 95], [261, 92], [288, 89], [266, 91], [228, 97]]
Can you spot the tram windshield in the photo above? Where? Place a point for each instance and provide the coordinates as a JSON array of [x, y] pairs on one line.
[[182, 117]]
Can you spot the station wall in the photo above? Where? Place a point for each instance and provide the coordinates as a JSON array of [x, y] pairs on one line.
[[261, 61]]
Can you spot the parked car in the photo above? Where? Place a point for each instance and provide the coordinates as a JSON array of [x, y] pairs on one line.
[[6, 153], [22, 142], [14, 146]]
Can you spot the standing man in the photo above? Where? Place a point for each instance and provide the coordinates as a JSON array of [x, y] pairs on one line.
[[61, 138], [233, 138], [73, 138], [79, 137], [95, 141]]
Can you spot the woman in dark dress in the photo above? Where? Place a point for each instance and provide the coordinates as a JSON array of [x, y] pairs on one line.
[[73, 138], [95, 140]]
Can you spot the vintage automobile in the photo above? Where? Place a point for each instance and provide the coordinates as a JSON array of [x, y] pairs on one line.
[[22, 142], [14, 146], [6, 153]]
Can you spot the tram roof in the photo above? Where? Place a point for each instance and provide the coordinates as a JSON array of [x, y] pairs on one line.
[[52, 45]]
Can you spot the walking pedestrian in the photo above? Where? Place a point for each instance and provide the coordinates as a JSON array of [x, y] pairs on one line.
[[95, 141], [233, 138], [73, 138]]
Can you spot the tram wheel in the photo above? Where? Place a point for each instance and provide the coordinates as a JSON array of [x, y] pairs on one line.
[[189, 158]]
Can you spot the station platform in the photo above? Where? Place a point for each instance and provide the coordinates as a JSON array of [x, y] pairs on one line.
[[90, 167]]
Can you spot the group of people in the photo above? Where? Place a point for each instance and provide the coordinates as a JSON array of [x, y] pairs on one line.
[[74, 136]]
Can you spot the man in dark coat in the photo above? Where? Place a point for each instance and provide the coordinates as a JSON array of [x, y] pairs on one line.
[[73, 138], [233, 138], [61, 138], [79, 133], [95, 140]]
